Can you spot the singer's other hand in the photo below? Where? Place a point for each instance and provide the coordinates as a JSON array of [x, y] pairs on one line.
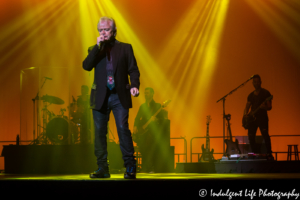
[[134, 92]]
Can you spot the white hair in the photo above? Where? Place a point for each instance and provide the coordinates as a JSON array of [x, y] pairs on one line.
[[112, 23]]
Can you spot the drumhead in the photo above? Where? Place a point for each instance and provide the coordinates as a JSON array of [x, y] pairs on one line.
[[57, 130]]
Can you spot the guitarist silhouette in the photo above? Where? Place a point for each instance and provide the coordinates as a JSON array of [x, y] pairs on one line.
[[146, 131], [260, 102]]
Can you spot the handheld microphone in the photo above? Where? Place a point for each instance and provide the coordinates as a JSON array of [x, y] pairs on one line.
[[101, 45]]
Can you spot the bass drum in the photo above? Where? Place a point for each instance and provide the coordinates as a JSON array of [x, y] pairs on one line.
[[57, 131]]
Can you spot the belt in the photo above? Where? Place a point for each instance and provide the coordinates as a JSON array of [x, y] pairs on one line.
[[113, 91]]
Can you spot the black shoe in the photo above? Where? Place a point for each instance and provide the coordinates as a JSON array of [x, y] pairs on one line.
[[100, 173], [130, 172]]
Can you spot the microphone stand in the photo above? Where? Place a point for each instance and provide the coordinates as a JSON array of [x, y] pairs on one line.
[[224, 116], [35, 141]]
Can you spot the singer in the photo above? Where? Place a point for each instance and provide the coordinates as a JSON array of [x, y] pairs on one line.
[[112, 62]]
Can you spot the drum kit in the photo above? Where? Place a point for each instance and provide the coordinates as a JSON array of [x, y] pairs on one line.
[[57, 129]]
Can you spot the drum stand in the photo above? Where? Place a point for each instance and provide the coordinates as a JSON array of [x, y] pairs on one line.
[[45, 121], [41, 137]]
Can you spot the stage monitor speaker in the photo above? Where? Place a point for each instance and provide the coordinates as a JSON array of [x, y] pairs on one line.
[[244, 144]]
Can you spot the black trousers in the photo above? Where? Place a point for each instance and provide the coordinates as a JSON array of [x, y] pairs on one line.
[[263, 126], [101, 118]]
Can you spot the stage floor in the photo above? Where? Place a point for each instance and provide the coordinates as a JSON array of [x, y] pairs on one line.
[[191, 185], [154, 176]]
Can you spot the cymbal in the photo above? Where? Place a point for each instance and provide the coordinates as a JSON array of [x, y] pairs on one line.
[[52, 99]]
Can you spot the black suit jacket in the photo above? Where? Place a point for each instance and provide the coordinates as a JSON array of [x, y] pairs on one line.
[[124, 64]]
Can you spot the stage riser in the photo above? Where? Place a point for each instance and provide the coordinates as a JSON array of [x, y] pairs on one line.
[[56, 159], [70, 159]]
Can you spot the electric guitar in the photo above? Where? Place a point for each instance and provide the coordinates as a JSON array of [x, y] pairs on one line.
[[143, 129], [231, 147], [249, 119], [207, 155]]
